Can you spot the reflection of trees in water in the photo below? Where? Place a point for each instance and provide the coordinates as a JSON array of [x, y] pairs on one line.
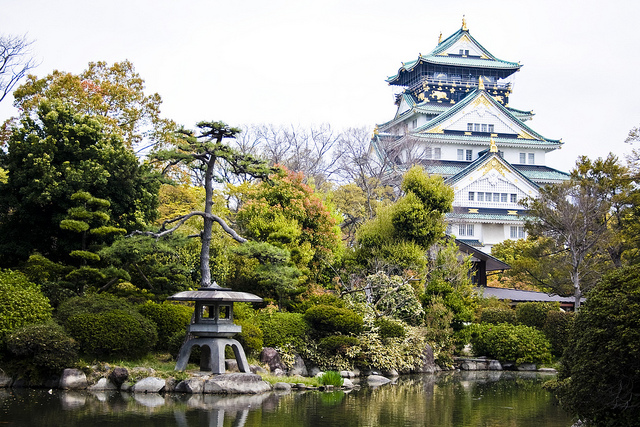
[[448, 399]]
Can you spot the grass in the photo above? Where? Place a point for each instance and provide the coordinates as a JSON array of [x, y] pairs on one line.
[[310, 382], [162, 363]]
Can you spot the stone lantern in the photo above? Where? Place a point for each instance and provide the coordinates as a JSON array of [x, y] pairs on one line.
[[212, 327]]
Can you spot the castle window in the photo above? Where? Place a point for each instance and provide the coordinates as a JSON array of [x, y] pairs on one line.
[[465, 229], [460, 154], [480, 196], [471, 195], [469, 127], [414, 124], [496, 197], [476, 127], [532, 159], [427, 152], [517, 232], [514, 198], [437, 153], [484, 127], [523, 158], [491, 128], [469, 155], [503, 197]]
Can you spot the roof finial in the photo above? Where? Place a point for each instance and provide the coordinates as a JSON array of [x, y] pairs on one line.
[[480, 83], [440, 38], [493, 148], [464, 24]]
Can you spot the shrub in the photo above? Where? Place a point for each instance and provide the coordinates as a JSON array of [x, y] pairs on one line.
[[326, 319], [510, 343], [388, 328], [243, 311], [534, 314], [332, 378], [169, 318], [337, 344], [113, 333], [280, 329], [40, 350], [496, 315], [21, 302], [251, 337], [91, 303], [600, 371], [557, 328], [318, 299]]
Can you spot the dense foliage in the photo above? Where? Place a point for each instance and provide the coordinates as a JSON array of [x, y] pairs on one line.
[[600, 371], [42, 349], [534, 314], [511, 343], [169, 319], [21, 302]]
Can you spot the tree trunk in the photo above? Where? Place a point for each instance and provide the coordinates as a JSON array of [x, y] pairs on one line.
[[205, 271]]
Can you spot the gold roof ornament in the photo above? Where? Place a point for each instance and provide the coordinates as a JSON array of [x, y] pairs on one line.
[[493, 148], [464, 24], [440, 38], [480, 83], [375, 131]]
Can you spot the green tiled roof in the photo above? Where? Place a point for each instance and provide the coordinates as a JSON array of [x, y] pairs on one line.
[[536, 174], [482, 217], [435, 57]]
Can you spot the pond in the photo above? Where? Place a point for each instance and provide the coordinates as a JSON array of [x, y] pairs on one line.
[[460, 399]]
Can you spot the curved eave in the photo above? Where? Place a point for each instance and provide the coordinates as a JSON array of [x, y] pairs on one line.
[[501, 142], [479, 63]]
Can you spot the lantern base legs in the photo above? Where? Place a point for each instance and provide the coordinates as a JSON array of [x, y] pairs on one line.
[[212, 356]]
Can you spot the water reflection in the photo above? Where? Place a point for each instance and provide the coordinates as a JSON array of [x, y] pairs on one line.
[[453, 399]]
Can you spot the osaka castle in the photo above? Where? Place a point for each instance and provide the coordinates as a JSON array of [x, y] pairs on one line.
[[453, 117]]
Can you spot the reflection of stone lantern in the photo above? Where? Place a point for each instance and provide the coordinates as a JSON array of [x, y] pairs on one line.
[[212, 327]]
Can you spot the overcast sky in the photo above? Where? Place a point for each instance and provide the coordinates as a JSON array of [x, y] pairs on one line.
[[311, 62]]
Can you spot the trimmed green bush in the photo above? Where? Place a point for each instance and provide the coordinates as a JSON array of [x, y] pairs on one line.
[[21, 302], [557, 329], [243, 311], [41, 349], [534, 314], [496, 315], [251, 337], [388, 328], [113, 333], [337, 344], [169, 318], [280, 329], [91, 303], [510, 343], [321, 299], [327, 320]]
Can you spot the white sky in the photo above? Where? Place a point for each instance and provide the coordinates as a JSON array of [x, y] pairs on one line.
[[325, 61]]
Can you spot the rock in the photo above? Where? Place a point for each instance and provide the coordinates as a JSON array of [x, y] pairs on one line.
[[170, 385], [377, 380], [494, 365], [527, 367], [149, 385], [301, 386], [391, 373], [231, 365], [347, 383], [5, 380], [257, 369], [190, 386], [298, 368], [126, 386], [548, 370], [73, 379], [428, 364], [102, 385], [238, 383], [279, 372], [282, 387], [271, 357], [314, 371], [118, 376]]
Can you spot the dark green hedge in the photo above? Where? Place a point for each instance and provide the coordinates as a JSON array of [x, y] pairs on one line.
[[41, 349], [280, 329], [496, 315], [389, 328], [534, 314], [169, 319], [557, 328], [329, 320], [113, 333], [510, 343]]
